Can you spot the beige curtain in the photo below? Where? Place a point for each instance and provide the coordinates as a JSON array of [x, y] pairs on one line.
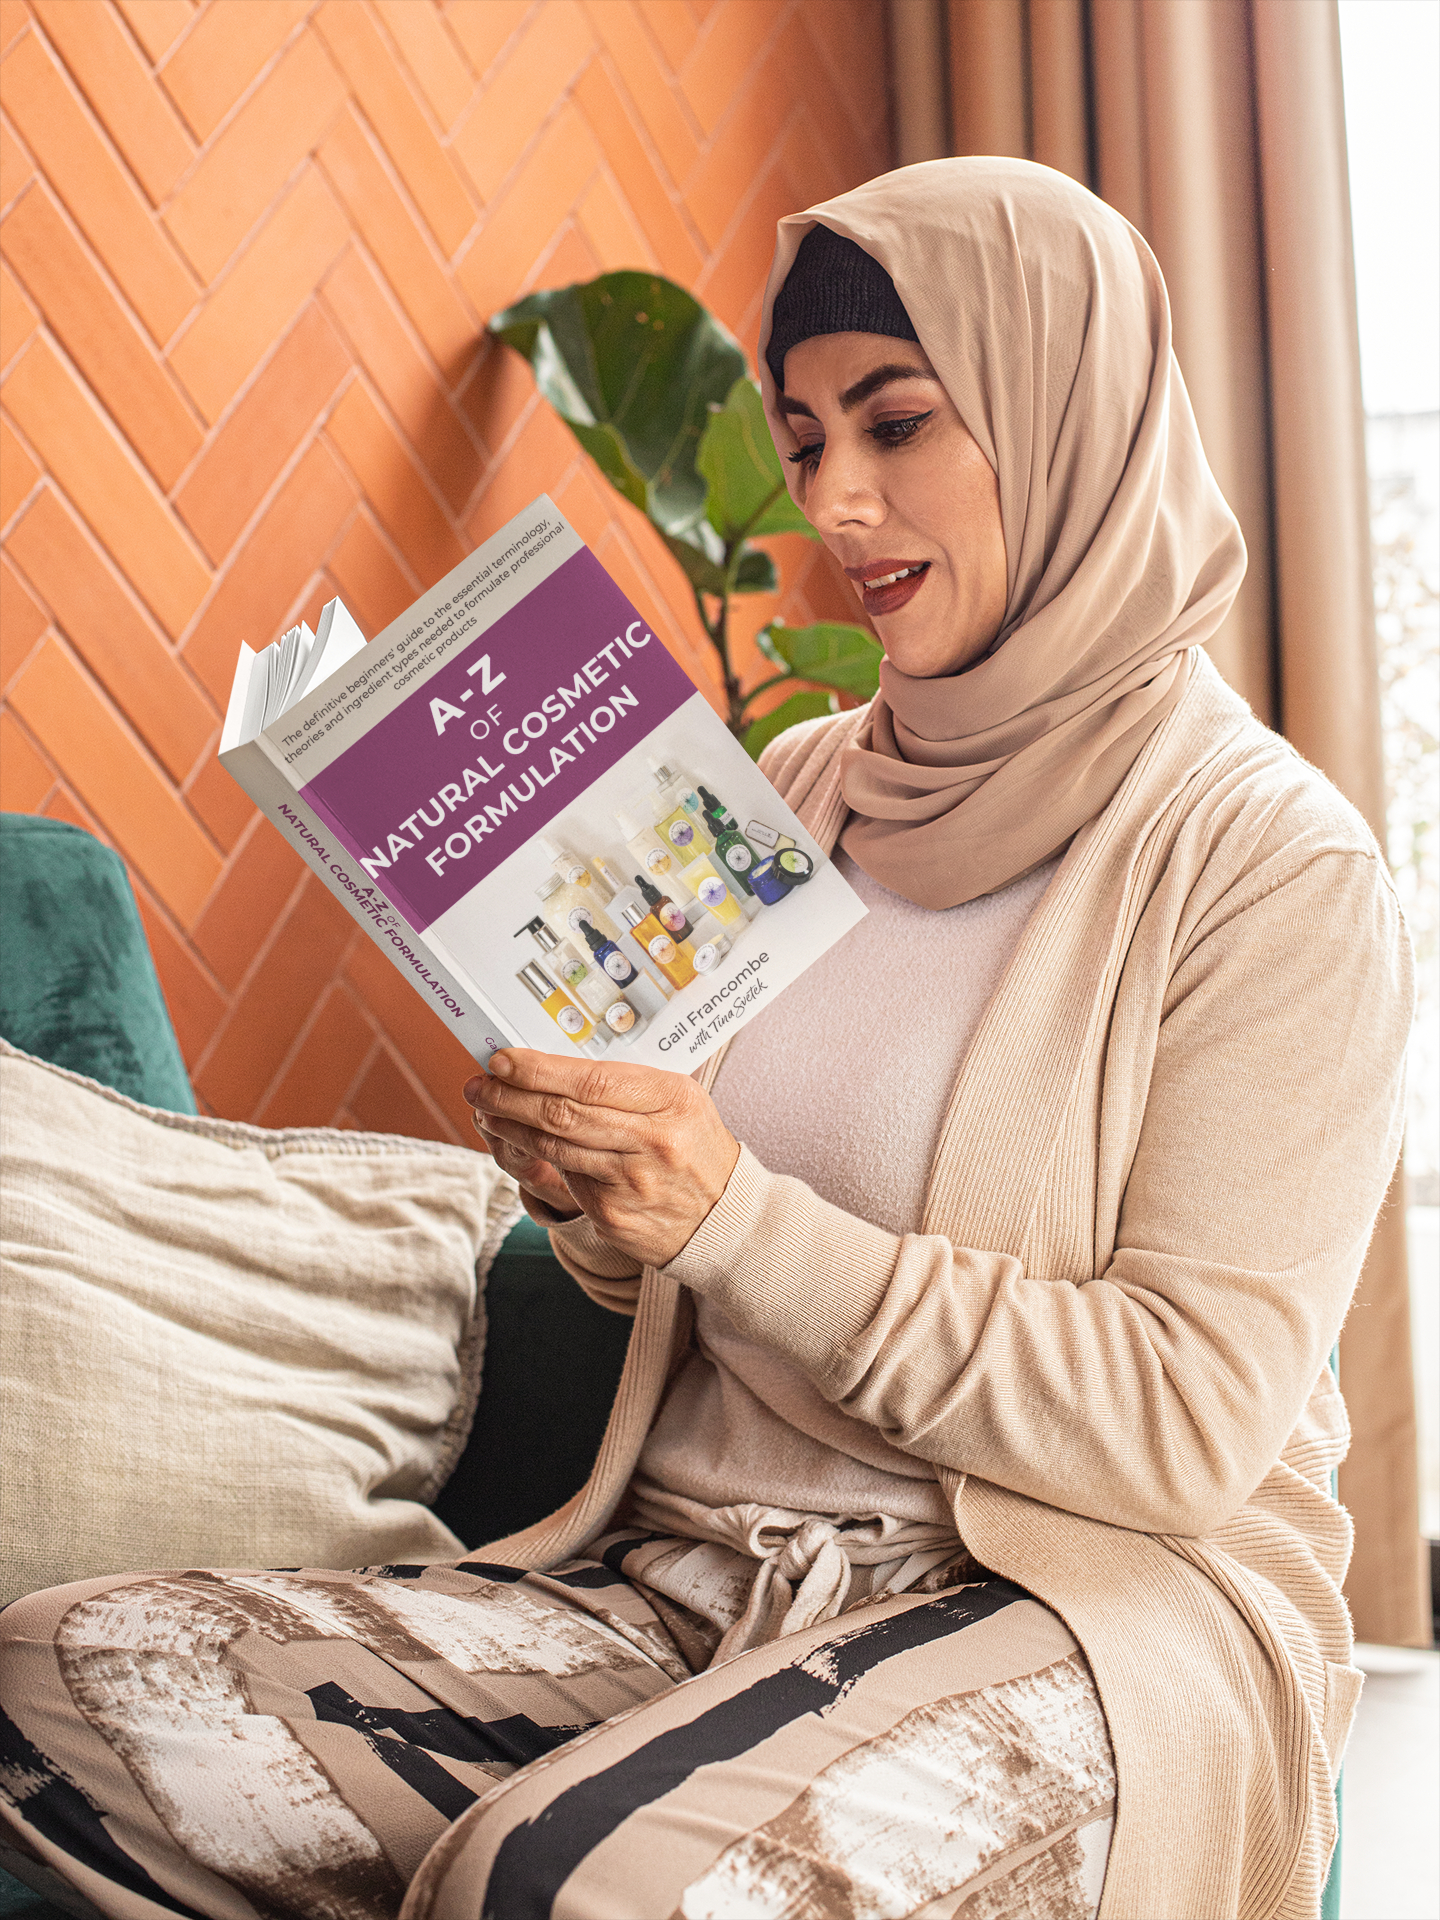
[[1217, 128]]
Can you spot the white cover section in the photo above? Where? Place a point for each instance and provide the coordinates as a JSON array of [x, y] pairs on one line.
[[225, 1346]]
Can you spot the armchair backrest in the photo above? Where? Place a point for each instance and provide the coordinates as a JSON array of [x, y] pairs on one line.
[[77, 984]]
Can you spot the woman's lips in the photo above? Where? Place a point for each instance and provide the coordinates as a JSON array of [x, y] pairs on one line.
[[902, 580]]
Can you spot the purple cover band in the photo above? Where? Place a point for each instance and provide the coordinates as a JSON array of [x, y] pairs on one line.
[[479, 758]]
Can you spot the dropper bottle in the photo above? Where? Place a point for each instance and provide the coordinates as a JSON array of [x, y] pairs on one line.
[[731, 846], [653, 986], [608, 957], [564, 961], [674, 959], [664, 909]]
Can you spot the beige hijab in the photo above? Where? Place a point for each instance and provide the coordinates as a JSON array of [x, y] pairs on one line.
[[1045, 316]]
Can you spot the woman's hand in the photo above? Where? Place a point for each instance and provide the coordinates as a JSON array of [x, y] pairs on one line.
[[543, 1191], [642, 1152]]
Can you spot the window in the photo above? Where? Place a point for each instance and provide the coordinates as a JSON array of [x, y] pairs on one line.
[[1390, 52]]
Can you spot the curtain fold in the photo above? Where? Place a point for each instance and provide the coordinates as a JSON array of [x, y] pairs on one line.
[[917, 81], [1217, 128]]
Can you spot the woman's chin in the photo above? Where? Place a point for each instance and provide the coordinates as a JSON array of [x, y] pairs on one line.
[[931, 650], [921, 656]]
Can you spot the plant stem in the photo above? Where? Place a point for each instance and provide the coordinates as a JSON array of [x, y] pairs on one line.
[[718, 629], [764, 686]]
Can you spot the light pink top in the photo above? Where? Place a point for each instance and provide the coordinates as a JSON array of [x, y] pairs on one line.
[[843, 1083]]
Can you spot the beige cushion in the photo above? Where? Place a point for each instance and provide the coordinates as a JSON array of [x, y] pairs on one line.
[[226, 1346]]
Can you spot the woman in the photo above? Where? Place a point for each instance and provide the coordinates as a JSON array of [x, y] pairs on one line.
[[974, 1446]]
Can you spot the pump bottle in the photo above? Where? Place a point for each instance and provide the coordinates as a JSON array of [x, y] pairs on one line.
[[572, 1022], [565, 962]]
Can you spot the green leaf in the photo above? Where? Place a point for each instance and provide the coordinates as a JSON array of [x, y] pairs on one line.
[[747, 483], [700, 569], [789, 713], [633, 365], [831, 654], [756, 572]]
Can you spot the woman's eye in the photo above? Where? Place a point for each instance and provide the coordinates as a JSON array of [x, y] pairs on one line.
[[894, 433], [807, 456]]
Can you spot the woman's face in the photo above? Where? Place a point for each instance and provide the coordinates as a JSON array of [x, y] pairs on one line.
[[887, 473]]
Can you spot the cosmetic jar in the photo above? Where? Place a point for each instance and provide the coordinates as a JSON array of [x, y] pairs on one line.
[[766, 883]]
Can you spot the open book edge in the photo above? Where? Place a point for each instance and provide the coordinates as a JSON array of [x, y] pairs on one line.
[[270, 682]]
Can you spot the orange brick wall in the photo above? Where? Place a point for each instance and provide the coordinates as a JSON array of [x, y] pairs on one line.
[[248, 250]]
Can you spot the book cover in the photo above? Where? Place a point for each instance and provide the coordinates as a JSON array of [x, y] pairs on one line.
[[528, 805]]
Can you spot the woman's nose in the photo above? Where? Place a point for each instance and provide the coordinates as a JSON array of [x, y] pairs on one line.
[[839, 494]]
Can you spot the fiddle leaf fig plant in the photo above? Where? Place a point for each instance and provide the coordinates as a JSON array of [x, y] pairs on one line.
[[660, 397]]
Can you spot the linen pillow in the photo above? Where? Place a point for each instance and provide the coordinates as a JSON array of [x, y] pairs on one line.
[[225, 1346]]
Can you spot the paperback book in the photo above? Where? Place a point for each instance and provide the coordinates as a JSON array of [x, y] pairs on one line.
[[529, 807]]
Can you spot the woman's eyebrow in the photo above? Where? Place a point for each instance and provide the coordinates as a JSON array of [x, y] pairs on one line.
[[880, 377], [853, 396]]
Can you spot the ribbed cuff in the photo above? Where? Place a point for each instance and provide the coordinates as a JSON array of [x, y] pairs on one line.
[[789, 1269], [577, 1243]]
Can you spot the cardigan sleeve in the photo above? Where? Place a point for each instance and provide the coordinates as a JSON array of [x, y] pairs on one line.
[[1157, 1394], [609, 1277]]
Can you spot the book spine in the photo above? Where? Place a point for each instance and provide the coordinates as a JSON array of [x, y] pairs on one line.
[[476, 1024]]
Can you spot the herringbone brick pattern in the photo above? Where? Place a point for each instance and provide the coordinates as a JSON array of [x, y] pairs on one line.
[[248, 250]]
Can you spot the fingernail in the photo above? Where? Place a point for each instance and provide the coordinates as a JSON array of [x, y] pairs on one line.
[[499, 1065], [470, 1092]]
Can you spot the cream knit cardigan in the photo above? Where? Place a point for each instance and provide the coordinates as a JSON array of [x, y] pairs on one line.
[[1150, 1200]]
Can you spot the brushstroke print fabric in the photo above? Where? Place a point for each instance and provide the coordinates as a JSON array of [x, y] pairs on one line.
[[466, 1740]]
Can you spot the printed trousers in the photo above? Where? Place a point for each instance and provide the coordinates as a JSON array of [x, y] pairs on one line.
[[470, 1742]]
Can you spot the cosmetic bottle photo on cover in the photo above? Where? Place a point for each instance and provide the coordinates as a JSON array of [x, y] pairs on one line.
[[673, 957], [703, 880], [731, 846], [677, 809], [672, 918], [657, 859], [596, 990], [574, 1024]]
